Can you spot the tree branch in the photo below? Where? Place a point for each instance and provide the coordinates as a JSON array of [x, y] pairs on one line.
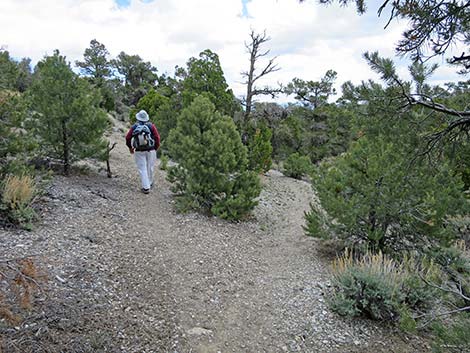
[[267, 91], [439, 108], [112, 147], [270, 67], [463, 57], [458, 293], [435, 316]]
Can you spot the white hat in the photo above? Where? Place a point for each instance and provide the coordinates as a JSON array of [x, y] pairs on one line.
[[142, 116]]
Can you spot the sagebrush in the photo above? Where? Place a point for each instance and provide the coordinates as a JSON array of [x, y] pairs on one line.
[[378, 287]]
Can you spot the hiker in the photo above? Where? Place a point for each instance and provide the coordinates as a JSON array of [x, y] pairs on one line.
[[143, 141]]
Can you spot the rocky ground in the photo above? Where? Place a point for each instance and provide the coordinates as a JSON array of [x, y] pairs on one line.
[[127, 273]]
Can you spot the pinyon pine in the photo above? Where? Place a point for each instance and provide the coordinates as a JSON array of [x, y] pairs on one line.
[[211, 173], [67, 120]]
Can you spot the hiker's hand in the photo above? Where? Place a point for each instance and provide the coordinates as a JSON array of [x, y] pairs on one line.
[[131, 150]]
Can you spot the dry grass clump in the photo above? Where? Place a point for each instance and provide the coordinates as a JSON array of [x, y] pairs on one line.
[[17, 194], [379, 264], [18, 191], [374, 264]]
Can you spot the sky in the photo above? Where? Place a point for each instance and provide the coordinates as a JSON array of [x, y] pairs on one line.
[[308, 39]]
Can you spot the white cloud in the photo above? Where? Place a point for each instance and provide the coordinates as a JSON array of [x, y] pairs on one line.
[[307, 38]]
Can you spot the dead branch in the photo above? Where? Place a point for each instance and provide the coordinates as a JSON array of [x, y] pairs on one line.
[[21, 274], [456, 292], [253, 49], [270, 67], [434, 316], [108, 165], [112, 147]]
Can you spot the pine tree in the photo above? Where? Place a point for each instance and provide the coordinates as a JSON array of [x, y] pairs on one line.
[[97, 69], [377, 200], [8, 71], [138, 76], [67, 119], [14, 75], [212, 163], [15, 142], [205, 76], [95, 64], [313, 93]]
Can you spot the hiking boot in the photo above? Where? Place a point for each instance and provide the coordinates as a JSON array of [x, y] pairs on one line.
[[145, 191]]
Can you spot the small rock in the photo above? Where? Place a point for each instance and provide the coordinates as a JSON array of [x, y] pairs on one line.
[[60, 279], [199, 331]]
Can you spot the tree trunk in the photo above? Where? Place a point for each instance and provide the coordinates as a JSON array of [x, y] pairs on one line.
[[251, 77], [108, 169], [249, 89]]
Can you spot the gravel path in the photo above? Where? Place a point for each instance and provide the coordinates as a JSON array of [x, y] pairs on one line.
[[129, 274]]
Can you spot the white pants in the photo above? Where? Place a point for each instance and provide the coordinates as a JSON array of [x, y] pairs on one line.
[[145, 161]]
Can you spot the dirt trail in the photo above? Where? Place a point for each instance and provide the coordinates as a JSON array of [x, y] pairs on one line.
[[129, 274]]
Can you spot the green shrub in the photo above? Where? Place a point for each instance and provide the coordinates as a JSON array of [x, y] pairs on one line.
[[164, 162], [416, 294], [378, 287], [460, 224], [368, 287], [452, 259], [296, 166], [320, 133], [406, 321], [108, 98], [260, 149], [160, 110], [454, 263], [316, 221], [454, 337], [288, 136]]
